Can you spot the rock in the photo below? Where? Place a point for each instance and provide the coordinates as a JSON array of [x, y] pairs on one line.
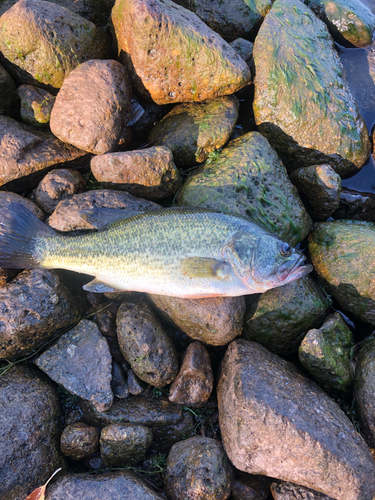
[[364, 390], [119, 485], [342, 253], [36, 105], [145, 345], [249, 179], [92, 107], [194, 383], [119, 383], [60, 184], [349, 21], [198, 468], [250, 487], [214, 321], [7, 275], [355, 205], [57, 41], [105, 317], [326, 354], [149, 173], [79, 441], [279, 318], [134, 410], [244, 49], [7, 197], [135, 384], [276, 422], [289, 491], [30, 419], [66, 216], [33, 307], [9, 101], [124, 444], [230, 20], [204, 66], [302, 101], [26, 153], [81, 362], [165, 437], [319, 187], [194, 130]]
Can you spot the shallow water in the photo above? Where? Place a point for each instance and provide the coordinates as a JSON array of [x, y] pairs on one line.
[[360, 70]]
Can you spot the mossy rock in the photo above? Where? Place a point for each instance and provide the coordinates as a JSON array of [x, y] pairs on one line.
[[343, 254], [279, 318], [302, 101], [247, 178]]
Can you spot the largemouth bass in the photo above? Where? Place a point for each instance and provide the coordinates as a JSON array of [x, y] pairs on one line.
[[189, 253]]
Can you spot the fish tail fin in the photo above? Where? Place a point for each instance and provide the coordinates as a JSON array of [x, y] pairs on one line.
[[20, 230]]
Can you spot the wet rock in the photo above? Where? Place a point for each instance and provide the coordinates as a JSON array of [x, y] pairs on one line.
[[349, 21], [198, 467], [9, 102], [302, 101], [289, 491], [7, 275], [29, 432], [214, 321], [134, 410], [149, 173], [194, 383], [165, 437], [276, 422], [205, 66], [57, 41], [135, 384], [26, 153], [250, 487], [145, 345], [244, 49], [319, 187], [66, 216], [81, 362], [91, 109], [36, 105], [60, 184], [105, 317], [355, 205], [124, 444], [79, 441], [119, 383], [326, 354], [279, 318], [230, 20], [7, 197], [194, 130], [33, 308], [249, 179], [120, 485], [364, 390], [342, 253]]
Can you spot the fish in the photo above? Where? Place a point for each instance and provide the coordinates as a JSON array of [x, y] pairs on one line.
[[180, 252]]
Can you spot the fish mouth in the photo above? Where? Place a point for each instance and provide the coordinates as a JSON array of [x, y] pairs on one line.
[[298, 270]]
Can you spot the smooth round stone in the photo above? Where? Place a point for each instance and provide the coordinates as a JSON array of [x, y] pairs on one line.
[[79, 441], [123, 444]]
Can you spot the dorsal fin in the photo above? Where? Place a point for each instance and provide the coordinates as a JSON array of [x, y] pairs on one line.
[[105, 218]]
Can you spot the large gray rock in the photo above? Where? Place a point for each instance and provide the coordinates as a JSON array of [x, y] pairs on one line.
[[30, 421], [91, 109], [57, 41], [276, 422], [81, 362], [302, 101], [248, 179], [33, 307]]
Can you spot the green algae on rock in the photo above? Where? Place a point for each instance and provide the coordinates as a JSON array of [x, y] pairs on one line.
[[57, 41], [348, 20], [326, 354], [343, 254], [279, 318], [302, 101], [194, 130], [248, 179], [36, 105], [364, 387], [173, 55]]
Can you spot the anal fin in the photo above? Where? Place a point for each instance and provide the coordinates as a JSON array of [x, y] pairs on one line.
[[98, 286]]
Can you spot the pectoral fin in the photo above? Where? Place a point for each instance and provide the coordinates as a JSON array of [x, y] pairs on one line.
[[201, 267], [98, 286]]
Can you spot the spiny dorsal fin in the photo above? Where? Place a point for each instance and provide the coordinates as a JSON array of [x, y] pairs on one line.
[[202, 267]]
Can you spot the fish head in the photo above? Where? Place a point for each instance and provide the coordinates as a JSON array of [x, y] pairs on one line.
[[276, 263]]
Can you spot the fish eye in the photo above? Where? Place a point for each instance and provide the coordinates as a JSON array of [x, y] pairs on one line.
[[286, 249]]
